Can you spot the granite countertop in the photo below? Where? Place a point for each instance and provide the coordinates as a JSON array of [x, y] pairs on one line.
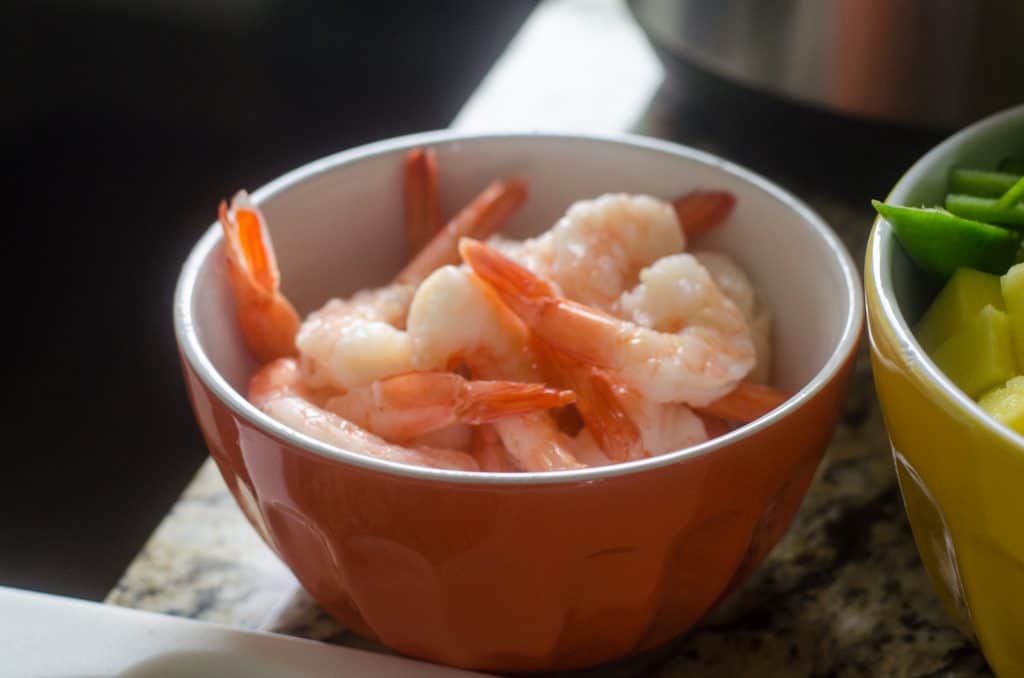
[[843, 594]]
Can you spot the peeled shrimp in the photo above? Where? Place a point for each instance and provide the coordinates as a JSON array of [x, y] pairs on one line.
[[406, 406], [278, 390], [267, 319], [665, 427], [489, 451], [594, 252], [454, 319], [735, 284], [351, 343], [699, 347]]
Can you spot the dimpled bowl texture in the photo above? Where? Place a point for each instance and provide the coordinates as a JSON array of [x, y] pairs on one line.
[[960, 472], [521, 572]]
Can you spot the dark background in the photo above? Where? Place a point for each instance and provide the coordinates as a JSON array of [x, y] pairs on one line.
[[124, 122]]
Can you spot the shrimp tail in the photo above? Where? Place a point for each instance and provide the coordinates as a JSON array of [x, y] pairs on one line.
[[745, 403], [580, 332], [485, 401], [483, 217], [405, 406], [612, 428], [700, 211], [422, 198], [267, 319]]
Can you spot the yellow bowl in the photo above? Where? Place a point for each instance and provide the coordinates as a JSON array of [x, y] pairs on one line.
[[961, 473]]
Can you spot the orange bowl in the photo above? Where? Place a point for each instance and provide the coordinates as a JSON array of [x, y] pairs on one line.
[[527, 571]]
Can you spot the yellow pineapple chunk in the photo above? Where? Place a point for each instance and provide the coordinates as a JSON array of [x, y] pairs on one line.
[[1013, 295], [1006, 404], [979, 354], [966, 293]]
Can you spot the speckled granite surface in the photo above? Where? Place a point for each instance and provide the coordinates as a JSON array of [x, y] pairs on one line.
[[843, 594]]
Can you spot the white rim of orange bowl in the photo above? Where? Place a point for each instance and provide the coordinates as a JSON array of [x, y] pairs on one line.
[[880, 259], [188, 341]]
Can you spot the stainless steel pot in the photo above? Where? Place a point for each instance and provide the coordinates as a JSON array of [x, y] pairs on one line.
[[938, 63]]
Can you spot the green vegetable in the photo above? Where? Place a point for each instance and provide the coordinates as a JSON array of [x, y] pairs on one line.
[[984, 209], [981, 182], [1013, 195], [940, 242], [1013, 164]]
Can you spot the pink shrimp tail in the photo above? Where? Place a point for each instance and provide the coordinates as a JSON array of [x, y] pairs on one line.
[[486, 401], [745, 403], [578, 331], [267, 319], [700, 211], [422, 198], [613, 429], [481, 218]]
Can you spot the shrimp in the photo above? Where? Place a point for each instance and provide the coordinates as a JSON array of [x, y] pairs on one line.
[[700, 211], [481, 218], [454, 319], [623, 424], [594, 252], [422, 198], [406, 406], [606, 421], [266, 318], [278, 390], [351, 343], [735, 284], [489, 451], [696, 345], [664, 427], [745, 403]]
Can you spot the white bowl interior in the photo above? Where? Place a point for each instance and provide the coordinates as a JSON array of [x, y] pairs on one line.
[[339, 229]]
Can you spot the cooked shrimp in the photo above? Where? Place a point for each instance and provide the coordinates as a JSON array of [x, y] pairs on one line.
[[489, 451], [405, 406], [665, 427], [699, 347], [586, 449], [454, 319], [700, 211], [594, 252], [278, 390], [352, 343], [422, 198], [267, 319], [745, 403], [621, 422], [481, 218], [731, 279], [608, 425], [735, 284]]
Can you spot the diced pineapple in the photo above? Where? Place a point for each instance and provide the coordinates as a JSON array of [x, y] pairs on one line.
[[1006, 404], [979, 354], [966, 293], [1013, 295]]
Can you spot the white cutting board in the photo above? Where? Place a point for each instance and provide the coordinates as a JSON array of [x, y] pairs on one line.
[[43, 636]]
